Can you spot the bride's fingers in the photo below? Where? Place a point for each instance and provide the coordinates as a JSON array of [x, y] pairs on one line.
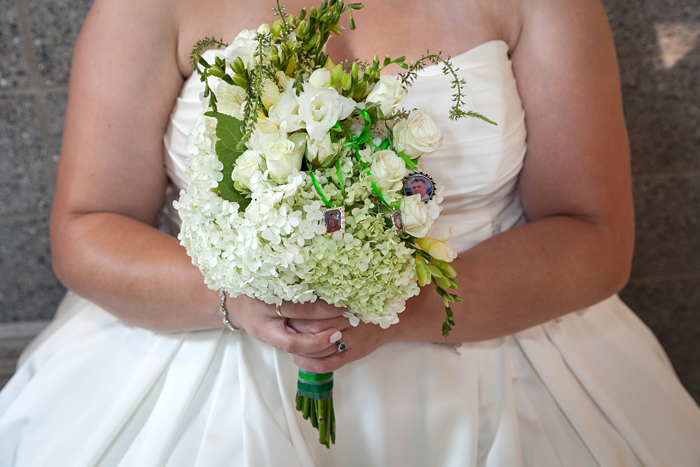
[[314, 326], [317, 310], [326, 364], [276, 333]]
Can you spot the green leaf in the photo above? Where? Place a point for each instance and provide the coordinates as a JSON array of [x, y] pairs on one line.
[[229, 130]]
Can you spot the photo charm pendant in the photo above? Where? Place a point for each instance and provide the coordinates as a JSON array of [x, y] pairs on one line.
[[334, 219], [419, 183], [397, 220]]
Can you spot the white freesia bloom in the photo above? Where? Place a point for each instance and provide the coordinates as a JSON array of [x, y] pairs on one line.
[[415, 216], [249, 165], [389, 169], [320, 153], [320, 78], [265, 130], [388, 93], [282, 79], [286, 109], [284, 156], [438, 248], [230, 99], [270, 93], [242, 46], [321, 108], [417, 135]]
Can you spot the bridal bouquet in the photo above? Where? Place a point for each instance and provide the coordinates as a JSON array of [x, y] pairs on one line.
[[304, 181]]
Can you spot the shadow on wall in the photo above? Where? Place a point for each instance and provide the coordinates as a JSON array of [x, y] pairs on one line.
[[657, 43]]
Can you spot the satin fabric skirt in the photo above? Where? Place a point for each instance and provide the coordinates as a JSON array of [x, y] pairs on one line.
[[593, 388]]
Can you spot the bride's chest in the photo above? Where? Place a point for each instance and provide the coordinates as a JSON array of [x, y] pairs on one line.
[[384, 27]]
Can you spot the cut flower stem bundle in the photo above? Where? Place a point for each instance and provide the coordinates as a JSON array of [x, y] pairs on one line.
[[305, 180]]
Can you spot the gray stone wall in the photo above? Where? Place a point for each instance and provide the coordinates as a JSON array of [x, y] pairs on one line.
[[660, 65]]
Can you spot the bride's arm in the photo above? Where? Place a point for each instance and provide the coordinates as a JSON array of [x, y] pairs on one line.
[[111, 184], [576, 249]]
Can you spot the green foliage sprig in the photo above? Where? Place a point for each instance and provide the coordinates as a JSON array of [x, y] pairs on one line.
[[259, 72], [456, 111], [442, 275], [303, 50], [201, 46], [205, 69]]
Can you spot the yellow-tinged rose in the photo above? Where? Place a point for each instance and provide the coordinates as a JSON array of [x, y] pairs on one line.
[[439, 249]]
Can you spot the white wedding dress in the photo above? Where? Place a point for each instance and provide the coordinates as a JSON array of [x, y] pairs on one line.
[[593, 388]]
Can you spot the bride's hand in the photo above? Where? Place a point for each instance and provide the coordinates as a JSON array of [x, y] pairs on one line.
[[262, 322], [359, 341]]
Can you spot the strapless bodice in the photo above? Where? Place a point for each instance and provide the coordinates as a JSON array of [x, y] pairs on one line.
[[478, 164]]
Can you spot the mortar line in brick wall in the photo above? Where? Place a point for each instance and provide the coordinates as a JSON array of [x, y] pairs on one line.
[[652, 55], [29, 54], [32, 90], [25, 216], [662, 173], [664, 277]]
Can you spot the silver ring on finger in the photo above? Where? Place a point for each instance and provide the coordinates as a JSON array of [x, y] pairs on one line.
[[341, 347]]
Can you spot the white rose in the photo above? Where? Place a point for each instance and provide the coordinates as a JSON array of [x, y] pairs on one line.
[[389, 169], [264, 28], [242, 46], [270, 93], [284, 156], [247, 166], [286, 109], [321, 153], [320, 78], [415, 216], [322, 108], [417, 135], [388, 93]]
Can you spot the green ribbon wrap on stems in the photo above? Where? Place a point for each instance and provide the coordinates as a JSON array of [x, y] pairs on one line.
[[315, 402]]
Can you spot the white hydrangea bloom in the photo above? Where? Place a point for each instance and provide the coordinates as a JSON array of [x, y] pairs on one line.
[[277, 248]]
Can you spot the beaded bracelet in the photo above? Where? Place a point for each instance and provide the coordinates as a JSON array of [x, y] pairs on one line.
[[223, 311]]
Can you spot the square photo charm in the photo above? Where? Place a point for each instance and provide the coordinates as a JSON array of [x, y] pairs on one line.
[[334, 219], [397, 220]]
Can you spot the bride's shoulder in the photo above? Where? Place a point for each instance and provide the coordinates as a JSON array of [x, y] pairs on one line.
[[134, 32], [132, 23]]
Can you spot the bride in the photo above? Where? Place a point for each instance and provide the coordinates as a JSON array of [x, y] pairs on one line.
[[546, 366]]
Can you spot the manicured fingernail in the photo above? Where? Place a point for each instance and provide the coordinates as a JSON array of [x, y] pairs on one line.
[[336, 337]]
